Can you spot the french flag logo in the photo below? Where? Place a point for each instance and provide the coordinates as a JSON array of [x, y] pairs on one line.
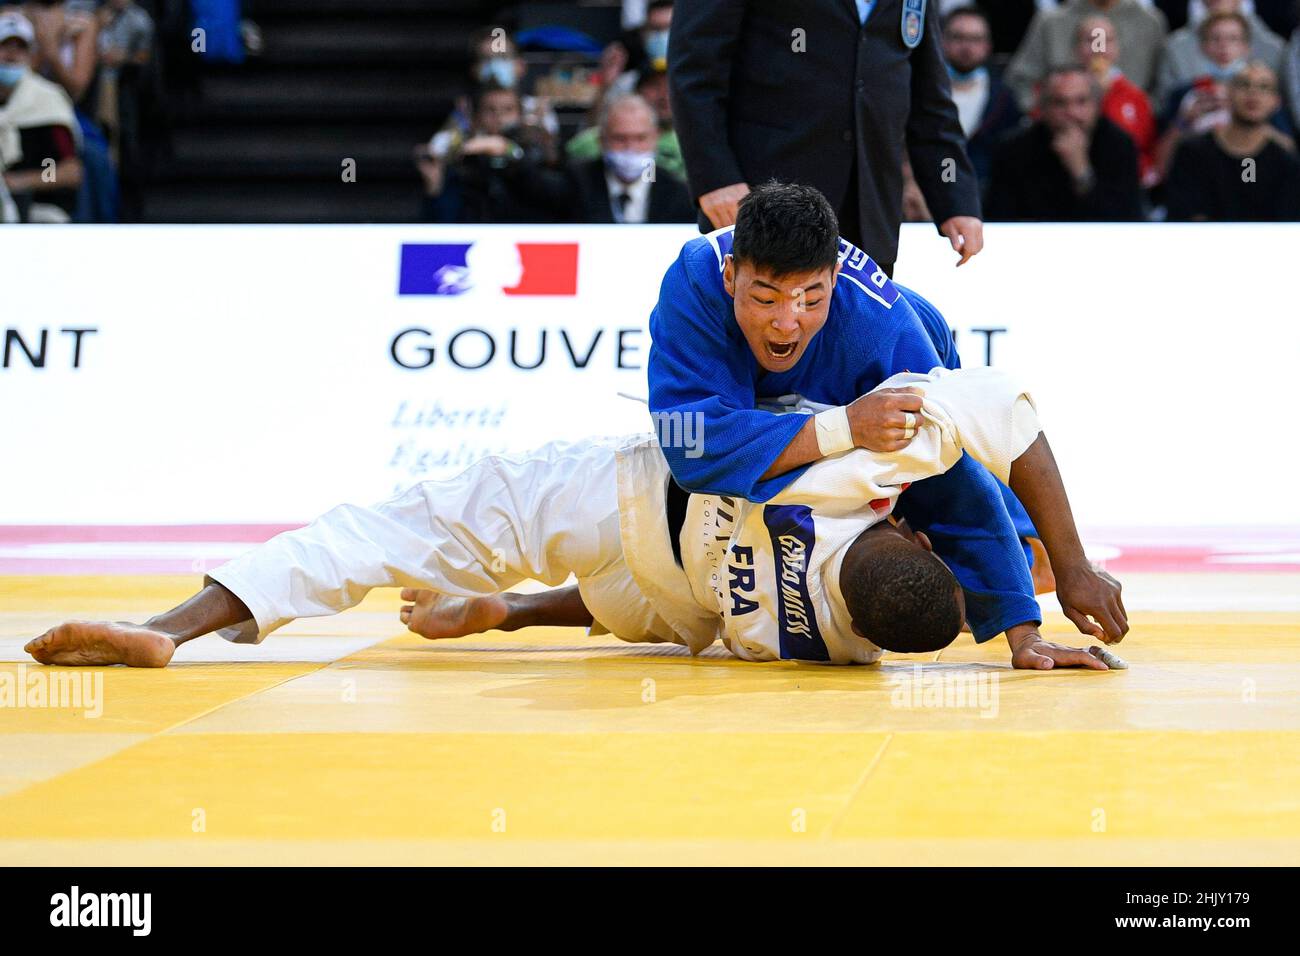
[[490, 266]]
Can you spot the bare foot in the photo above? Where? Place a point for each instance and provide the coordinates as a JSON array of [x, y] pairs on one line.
[[82, 643], [438, 616]]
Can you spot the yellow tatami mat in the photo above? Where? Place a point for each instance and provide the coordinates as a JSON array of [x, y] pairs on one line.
[[345, 740]]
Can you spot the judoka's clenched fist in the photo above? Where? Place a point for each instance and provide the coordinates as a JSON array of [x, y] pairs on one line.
[[886, 419]]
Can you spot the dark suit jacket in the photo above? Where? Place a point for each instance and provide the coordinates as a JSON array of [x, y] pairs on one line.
[[802, 92], [669, 200], [523, 190], [1030, 184]]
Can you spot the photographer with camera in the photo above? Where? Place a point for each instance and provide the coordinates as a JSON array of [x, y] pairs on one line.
[[503, 170]]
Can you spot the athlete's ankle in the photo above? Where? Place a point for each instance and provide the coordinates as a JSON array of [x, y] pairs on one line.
[[521, 611]]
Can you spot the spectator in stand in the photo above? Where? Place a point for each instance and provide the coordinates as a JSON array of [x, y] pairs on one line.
[[504, 171], [126, 35], [653, 88], [1122, 102], [1072, 165], [1243, 171], [1184, 60], [638, 52], [67, 38], [1225, 46], [624, 183], [985, 106], [1203, 105], [495, 62], [1007, 19], [67, 52], [1050, 43], [38, 132], [654, 36]]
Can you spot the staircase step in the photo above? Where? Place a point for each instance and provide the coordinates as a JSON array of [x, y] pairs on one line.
[[264, 141], [317, 93], [264, 11], [275, 202], [339, 41], [316, 152]]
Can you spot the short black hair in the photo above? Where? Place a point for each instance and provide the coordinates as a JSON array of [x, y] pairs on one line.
[[969, 10], [786, 228], [902, 598]]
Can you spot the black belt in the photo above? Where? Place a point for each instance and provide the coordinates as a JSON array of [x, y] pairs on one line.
[[676, 499]]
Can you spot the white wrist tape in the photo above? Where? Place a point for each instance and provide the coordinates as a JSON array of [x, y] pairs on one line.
[[833, 432]]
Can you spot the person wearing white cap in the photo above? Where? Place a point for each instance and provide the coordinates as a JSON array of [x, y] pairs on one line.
[[39, 136]]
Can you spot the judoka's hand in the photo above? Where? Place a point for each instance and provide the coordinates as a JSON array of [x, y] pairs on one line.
[[1091, 599], [879, 420], [720, 205], [1031, 653]]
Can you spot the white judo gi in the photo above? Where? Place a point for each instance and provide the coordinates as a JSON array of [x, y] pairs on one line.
[[764, 578]]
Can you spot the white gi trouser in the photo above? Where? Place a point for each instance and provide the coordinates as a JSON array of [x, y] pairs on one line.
[[542, 515]]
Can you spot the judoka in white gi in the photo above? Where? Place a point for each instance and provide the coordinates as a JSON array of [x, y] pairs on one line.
[[817, 573]]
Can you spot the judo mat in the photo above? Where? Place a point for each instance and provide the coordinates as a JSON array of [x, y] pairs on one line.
[[347, 740]]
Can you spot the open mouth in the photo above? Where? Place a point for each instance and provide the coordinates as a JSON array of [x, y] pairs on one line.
[[781, 350]]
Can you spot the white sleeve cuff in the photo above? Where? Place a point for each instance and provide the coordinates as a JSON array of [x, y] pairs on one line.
[[1025, 426]]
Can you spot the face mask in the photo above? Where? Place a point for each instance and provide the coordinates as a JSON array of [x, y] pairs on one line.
[[1224, 73], [11, 73], [630, 166], [656, 45], [499, 71], [967, 76]]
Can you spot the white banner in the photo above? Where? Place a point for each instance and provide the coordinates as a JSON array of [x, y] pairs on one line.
[[157, 375]]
